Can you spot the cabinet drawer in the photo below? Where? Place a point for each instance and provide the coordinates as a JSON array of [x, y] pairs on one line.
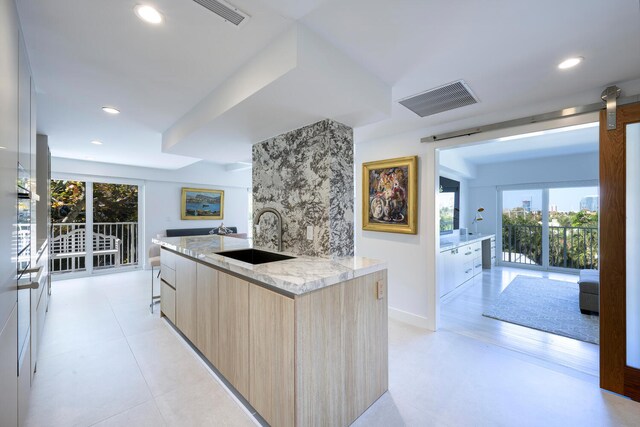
[[477, 266], [168, 275], [467, 251], [168, 259], [476, 248], [168, 301], [468, 270]]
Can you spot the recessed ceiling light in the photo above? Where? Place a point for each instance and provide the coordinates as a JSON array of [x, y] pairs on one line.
[[110, 110], [570, 62], [88, 158], [96, 142], [148, 14]]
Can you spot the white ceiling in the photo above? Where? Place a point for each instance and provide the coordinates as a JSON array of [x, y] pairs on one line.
[[89, 53], [559, 142]]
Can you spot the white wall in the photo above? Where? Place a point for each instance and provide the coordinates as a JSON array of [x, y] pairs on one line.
[[483, 188], [413, 289], [405, 254], [161, 191], [162, 208]]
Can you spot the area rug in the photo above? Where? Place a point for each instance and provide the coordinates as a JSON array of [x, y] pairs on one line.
[[547, 305]]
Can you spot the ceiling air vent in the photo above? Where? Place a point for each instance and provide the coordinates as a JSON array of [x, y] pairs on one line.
[[443, 98], [224, 10]]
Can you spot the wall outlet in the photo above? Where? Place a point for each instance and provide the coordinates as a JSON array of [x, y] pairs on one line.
[[309, 232], [380, 289]]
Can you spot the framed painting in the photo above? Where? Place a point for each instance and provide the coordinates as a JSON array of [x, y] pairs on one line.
[[389, 190], [199, 203]]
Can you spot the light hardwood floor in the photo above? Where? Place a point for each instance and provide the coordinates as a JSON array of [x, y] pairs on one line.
[[462, 313]]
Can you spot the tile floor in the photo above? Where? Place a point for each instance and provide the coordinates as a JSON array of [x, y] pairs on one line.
[[106, 361]]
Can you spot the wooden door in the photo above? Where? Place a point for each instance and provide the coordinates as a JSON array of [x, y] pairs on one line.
[[618, 274]]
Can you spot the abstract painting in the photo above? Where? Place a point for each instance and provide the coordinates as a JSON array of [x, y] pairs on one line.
[[198, 203], [389, 190]]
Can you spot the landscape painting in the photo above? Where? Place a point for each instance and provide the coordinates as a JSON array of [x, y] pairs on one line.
[[198, 203], [390, 195]]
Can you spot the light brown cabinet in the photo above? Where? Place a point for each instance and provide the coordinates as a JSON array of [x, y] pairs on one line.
[[314, 359], [341, 351], [168, 301], [207, 312], [186, 298], [365, 339], [271, 356], [233, 338]]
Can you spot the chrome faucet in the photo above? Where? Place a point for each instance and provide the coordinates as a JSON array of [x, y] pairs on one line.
[[279, 225]]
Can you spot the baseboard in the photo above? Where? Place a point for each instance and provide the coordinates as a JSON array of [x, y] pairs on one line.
[[409, 318]]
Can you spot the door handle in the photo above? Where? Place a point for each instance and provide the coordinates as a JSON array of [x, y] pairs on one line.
[[31, 284], [28, 285]]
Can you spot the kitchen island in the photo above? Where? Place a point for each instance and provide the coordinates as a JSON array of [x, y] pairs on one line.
[[303, 340]]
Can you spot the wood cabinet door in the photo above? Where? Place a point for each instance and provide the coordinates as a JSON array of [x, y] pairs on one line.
[[366, 335], [207, 311], [233, 338], [168, 301], [271, 356], [186, 297]]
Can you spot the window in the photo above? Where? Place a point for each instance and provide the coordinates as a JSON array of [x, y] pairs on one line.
[[551, 227]]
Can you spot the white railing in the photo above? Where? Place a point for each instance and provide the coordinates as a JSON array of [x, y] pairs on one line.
[[115, 244]]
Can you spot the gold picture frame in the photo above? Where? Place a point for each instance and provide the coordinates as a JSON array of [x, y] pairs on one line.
[[201, 203], [390, 195]]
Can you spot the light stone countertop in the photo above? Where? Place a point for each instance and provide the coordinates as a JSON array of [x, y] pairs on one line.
[[294, 276], [447, 243]]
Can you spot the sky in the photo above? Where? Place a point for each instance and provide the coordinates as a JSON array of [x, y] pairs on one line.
[[566, 199]]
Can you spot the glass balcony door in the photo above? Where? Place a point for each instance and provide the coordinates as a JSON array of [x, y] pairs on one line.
[[573, 227], [94, 226], [522, 231], [550, 227]]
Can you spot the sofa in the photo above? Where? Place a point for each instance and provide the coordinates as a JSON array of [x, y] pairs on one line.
[[589, 283], [179, 232]]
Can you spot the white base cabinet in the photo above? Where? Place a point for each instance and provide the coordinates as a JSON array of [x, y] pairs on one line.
[[463, 261]]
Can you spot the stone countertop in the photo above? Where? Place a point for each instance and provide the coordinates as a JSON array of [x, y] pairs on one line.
[[447, 243], [293, 276]]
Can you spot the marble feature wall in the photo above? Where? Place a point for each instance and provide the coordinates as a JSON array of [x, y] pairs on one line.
[[307, 176]]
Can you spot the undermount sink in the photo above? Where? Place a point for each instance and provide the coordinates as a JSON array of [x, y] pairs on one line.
[[255, 256]]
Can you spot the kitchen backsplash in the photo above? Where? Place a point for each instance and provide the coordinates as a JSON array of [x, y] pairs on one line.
[[307, 175]]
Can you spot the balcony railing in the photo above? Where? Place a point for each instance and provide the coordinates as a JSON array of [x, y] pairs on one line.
[[569, 247], [115, 244]]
